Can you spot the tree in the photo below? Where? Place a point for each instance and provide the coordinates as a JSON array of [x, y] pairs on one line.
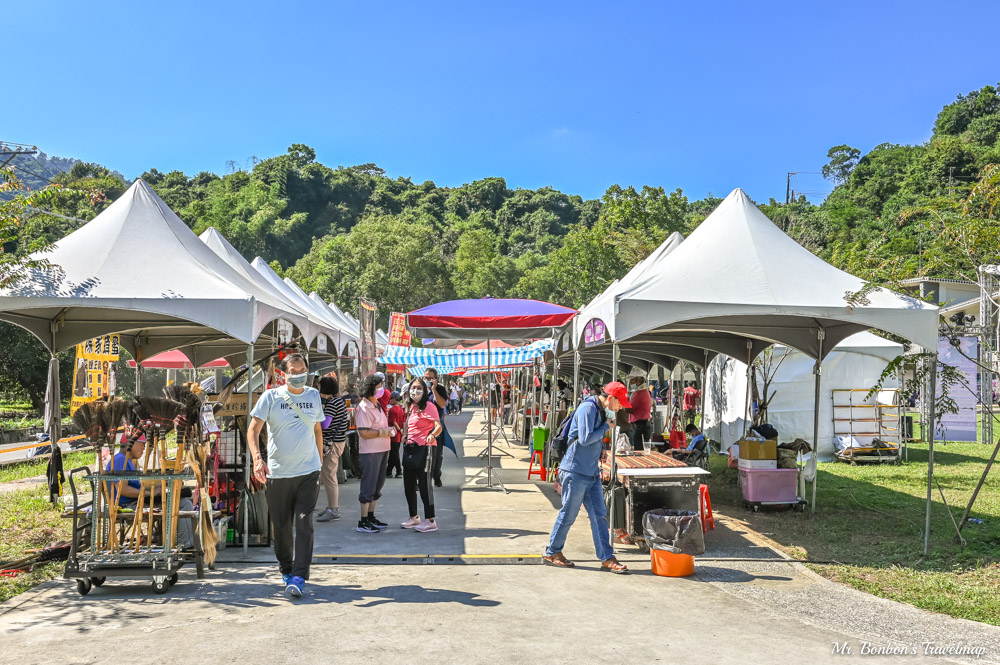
[[480, 270], [843, 159]]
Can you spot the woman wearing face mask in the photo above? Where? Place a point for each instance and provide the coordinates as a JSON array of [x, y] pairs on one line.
[[423, 424], [373, 428]]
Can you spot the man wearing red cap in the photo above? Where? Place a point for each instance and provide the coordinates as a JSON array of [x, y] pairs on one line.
[[580, 477]]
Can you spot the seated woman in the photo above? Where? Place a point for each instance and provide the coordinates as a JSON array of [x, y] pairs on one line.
[[695, 448]]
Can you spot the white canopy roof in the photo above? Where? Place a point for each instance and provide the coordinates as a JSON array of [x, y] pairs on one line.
[[309, 326], [137, 269], [739, 274], [350, 327], [602, 307]]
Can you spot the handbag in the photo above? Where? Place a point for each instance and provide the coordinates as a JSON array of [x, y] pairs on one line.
[[414, 456]]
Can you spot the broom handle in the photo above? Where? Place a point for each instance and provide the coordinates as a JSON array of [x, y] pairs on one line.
[[149, 527], [175, 496], [140, 504]]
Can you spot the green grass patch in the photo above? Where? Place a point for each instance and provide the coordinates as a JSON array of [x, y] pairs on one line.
[[28, 521], [870, 520], [36, 467]]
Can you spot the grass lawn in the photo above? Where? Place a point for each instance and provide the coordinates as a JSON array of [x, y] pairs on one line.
[[28, 520], [870, 520], [37, 467]]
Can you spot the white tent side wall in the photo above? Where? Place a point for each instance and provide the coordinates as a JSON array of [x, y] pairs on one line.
[[791, 410]]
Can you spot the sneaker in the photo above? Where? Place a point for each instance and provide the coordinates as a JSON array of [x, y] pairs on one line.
[[325, 516], [294, 587], [398, 475], [377, 523], [285, 579], [410, 523], [426, 526], [364, 526]]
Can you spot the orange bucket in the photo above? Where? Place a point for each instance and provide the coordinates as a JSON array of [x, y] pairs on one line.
[[668, 564]]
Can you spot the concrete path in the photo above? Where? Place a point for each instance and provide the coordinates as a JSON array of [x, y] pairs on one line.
[[761, 610]]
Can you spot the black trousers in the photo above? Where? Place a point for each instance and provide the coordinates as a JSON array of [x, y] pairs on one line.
[[641, 431], [418, 478], [393, 460], [290, 502], [438, 457]]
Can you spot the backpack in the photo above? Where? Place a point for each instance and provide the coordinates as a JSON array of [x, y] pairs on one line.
[[560, 442]]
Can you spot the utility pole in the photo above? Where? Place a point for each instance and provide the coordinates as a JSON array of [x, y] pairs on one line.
[[951, 190], [12, 150], [788, 187]]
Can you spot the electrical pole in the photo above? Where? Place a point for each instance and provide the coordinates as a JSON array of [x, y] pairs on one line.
[[12, 150], [951, 171], [788, 187]]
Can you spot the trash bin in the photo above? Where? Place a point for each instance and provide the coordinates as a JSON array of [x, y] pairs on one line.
[[540, 436], [674, 537]]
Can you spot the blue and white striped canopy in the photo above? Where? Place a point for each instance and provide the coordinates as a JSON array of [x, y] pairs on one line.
[[444, 360]]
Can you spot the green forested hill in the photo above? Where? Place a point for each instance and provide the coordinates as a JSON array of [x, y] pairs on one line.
[[350, 231]]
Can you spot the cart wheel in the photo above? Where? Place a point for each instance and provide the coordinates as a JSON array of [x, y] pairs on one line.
[[173, 579], [800, 507], [97, 581], [160, 585], [756, 509], [83, 586]]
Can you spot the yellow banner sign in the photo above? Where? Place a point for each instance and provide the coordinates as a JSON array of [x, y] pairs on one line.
[[94, 372]]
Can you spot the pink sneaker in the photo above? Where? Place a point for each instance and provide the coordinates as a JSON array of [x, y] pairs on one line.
[[426, 526], [410, 523]]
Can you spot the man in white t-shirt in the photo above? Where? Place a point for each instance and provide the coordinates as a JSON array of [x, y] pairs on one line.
[[293, 414]]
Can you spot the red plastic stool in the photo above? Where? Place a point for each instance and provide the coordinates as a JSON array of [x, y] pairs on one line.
[[540, 471], [705, 505]]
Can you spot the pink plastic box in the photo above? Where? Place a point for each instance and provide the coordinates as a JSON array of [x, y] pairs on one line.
[[769, 484]]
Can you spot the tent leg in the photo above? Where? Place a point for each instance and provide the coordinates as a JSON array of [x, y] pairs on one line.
[[818, 371], [247, 458], [746, 402], [929, 427], [614, 468], [576, 380], [701, 386]]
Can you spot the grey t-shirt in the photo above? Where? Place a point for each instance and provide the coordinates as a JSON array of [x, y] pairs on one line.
[[291, 443]]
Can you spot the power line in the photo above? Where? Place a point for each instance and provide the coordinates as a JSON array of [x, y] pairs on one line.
[[30, 172]]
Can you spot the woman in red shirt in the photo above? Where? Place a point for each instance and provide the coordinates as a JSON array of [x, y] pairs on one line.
[[423, 424]]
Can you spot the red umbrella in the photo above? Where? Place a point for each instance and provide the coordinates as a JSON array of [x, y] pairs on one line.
[[176, 360], [489, 319]]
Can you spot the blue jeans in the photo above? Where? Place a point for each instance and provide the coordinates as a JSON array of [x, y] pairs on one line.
[[579, 490]]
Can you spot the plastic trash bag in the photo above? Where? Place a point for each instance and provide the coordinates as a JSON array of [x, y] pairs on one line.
[[676, 531], [623, 445]]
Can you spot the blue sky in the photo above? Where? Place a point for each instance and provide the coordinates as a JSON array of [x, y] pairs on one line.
[[706, 96]]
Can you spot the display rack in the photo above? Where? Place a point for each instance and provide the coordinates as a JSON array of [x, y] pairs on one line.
[[867, 417], [90, 564]]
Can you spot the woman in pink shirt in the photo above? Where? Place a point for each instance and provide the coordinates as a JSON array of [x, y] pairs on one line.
[[373, 444], [423, 424]]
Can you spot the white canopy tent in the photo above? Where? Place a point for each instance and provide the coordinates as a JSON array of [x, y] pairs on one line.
[[102, 281], [855, 363], [739, 278], [309, 324]]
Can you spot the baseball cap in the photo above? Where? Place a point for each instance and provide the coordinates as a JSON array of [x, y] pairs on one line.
[[618, 390]]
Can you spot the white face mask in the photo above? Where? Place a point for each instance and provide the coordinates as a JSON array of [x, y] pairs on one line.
[[297, 380], [416, 394]]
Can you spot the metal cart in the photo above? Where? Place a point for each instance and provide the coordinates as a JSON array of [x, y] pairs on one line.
[[668, 484], [90, 563]]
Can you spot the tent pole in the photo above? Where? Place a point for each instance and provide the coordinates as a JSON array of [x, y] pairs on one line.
[[614, 469], [746, 402], [576, 379], [701, 385], [489, 421], [247, 463], [930, 427], [818, 371]]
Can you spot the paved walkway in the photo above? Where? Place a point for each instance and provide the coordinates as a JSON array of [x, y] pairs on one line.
[[728, 612]]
